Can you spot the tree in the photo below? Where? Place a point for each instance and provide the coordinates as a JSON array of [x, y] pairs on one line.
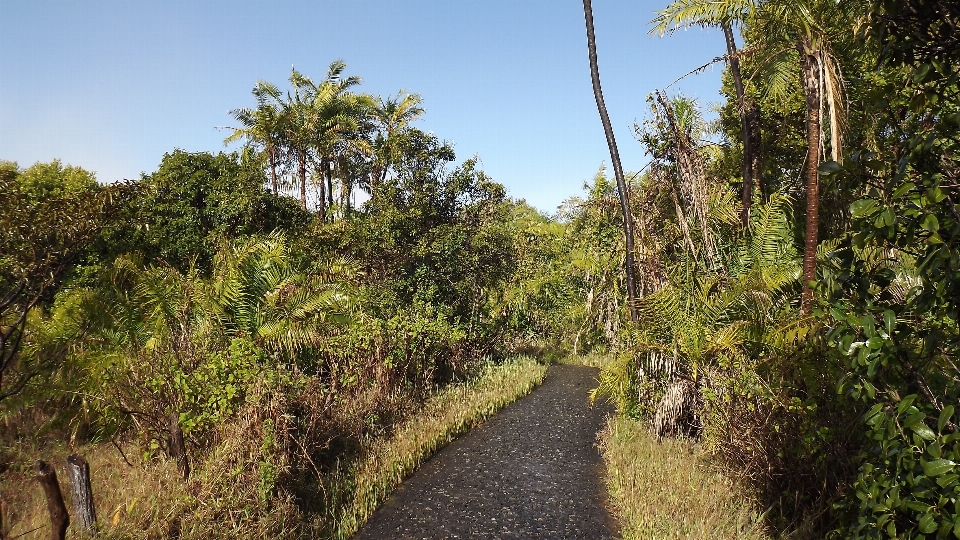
[[263, 126], [330, 121], [192, 201], [747, 108], [894, 284], [50, 216], [798, 33], [392, 115], [614, 158]]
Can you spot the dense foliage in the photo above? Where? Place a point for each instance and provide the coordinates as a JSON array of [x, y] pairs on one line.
[[796, 269]]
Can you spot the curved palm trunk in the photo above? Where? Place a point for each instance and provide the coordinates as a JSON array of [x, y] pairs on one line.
[[614, 158], [749, 128], [811, 69]]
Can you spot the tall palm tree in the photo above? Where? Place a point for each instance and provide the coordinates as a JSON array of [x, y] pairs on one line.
[[263, 126], [798, 34], [391, 115], [335, 116], [297, 130], [675, 16], [614, 158]]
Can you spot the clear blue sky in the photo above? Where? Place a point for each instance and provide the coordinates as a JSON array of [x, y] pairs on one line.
[[113, 85]]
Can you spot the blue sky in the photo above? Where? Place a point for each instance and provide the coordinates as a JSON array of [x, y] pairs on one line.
[[113, 85]]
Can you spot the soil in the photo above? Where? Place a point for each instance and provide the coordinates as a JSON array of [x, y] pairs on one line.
[[532, 471]]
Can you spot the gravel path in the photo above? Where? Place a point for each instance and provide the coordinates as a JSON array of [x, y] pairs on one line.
[[531, 471]]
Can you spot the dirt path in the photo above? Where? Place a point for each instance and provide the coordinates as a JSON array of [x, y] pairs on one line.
[[531, 471]]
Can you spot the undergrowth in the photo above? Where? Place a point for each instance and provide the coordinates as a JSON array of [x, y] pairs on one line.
[[232, 493]]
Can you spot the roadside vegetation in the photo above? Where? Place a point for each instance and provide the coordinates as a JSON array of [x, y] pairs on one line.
[[797, 272], [662, 490]]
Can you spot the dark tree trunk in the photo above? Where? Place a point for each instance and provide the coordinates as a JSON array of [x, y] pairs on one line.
[[810, 65], [756, 150], [273, 170], [745, 128], [614, 158], [329, 174], [178, 449], [302, 170], [81, 494], [322, 193], [59, 519], [3, 512]]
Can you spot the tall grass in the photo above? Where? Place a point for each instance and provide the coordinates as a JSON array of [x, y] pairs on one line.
[[663, 490]]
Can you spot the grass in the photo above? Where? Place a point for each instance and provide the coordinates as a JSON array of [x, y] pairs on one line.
[[146, 499], [664, 491]]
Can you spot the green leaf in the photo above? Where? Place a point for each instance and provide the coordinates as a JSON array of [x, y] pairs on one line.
[[931, 223], [828, 168], [938, 467], [914, 420], [925, 432], [947, 480], [945, 416], [871, 416], [863, 207], [903, 189], [906, 402], [889, 321], [927, 524]]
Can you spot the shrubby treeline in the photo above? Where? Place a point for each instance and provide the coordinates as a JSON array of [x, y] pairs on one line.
[[282, 337], [811, 347]]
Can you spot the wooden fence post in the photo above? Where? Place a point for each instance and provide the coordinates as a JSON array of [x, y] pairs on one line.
[[59, 519], [177, 448], [83, 509]]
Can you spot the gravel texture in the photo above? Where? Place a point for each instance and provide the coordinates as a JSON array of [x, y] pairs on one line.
[[531, 471]]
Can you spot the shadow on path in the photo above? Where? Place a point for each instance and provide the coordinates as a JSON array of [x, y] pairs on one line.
[[531, 471]]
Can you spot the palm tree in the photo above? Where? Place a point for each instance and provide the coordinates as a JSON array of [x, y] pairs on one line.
[[614, 158], [798, 33], [702, 328], [262, 126], [392, 115], [674, 16], [334, 120]]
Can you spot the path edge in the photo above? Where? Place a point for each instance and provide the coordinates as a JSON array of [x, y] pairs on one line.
[[444, 417]]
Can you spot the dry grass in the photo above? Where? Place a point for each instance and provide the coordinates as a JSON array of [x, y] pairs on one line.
[[126, 497], [148, 500], [663, 491]]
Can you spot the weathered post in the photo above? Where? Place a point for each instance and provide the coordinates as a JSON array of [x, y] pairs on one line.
[[177, 449], [3, 512], [59, 519], [82, 495]]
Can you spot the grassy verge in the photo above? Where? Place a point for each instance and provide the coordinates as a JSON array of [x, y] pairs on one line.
[[443, 418], [662, 491], [146, 498]]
